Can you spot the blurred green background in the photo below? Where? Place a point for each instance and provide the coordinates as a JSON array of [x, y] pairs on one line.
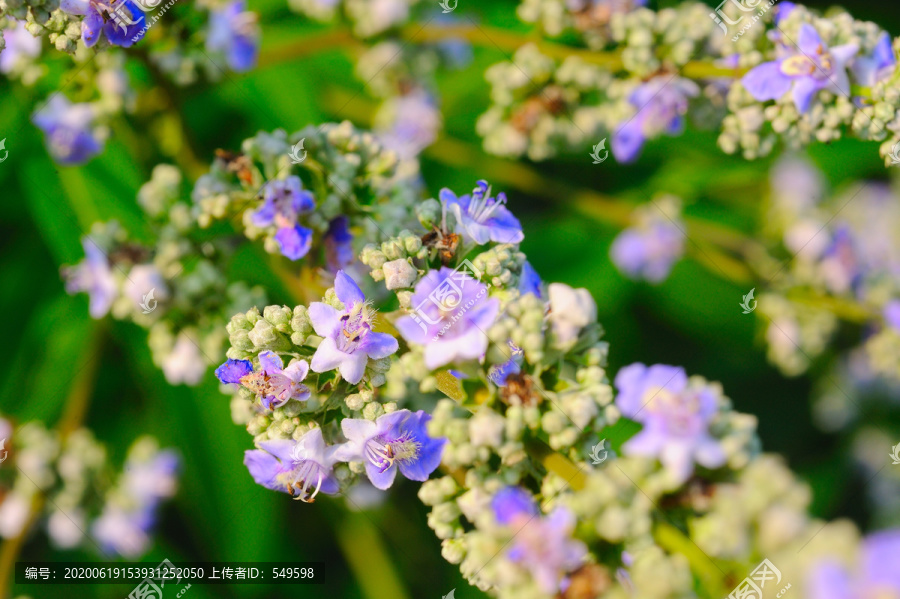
[[53, 349]]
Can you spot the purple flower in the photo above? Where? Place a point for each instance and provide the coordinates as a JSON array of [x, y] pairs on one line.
[[512, 503], [398, 440], [94, 276], [152, 479], [806, 71], [232, 371], [482, 218], [19, 43], [877, 573], [649, 250], [675, 416], [891, 314], [781, 11], [840, 265], [124, 531], [869, 70], [451, 318], [284, 202], [348, 341], [274, 386], [544, 545], [69, 130], [529, 280], [413, 122], [234, 32], [338, 245], [119, 20], [300, 469], [661, 104]]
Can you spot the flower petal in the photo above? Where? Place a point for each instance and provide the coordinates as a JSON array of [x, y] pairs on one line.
[[347, 290], [325, 320], [327, 356]]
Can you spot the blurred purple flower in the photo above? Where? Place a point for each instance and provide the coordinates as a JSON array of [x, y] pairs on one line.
[[661, 104], [284, 202], [512, 503], [877, 572], [234, 32], [232, 371], [529, 280], [348, 341], [398, 440], [806, 70], [482, 218], [94, 276], [19, 43], [892, 314], [451, 318], [649, 249], [869, 70], [675, 418], [69, 130], [338, 245], [301, 469], [411, 123]]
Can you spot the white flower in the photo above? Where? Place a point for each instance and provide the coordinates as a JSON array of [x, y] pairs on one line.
[[570, 311]]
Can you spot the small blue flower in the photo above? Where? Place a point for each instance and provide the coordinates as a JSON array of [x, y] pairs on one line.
[[119, 20], [94, 276], [69, 130], [511, 503], [781, 11], [300, 469], [348, 341], [876, 572], [285, 200], [395, 441], [452, 313], [661, 104], [649, 250], [232, 371], [869, 70], [675, 418], [19, 45], [482, 218], [338, 245], [234, 32], [803, 71], [274, 384], [529, 280]]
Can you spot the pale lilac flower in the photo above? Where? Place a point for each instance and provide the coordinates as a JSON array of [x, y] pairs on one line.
[[285, 201], [650, 248], [675, 418], [19, 44], [120, 21], [94, 276], [482, 218], [339, 245], [661, 104], [185, 364], [869, 70], [348, 340], [805, 71], [452, 313], [301, 469], [395, 441], [274, 384], [542, 545], [122, 531], [234, 32], [892, 314], [14, 511], [152, 479], [876, 573], [142, 279], [411, 123], [68, 130], [65, 528]]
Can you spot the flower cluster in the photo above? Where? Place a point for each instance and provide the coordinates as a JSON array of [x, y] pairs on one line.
[[72, 471]]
